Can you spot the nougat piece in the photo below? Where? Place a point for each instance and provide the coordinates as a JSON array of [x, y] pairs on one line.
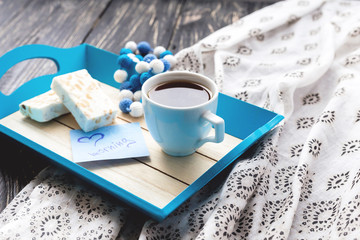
[[43, 107], [84, 98]]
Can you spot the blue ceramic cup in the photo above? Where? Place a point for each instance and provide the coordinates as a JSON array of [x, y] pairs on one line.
[[181, 130]]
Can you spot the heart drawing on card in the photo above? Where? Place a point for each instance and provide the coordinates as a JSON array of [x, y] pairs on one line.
[[95, 137]]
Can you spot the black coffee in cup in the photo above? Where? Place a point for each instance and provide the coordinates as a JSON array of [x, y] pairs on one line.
[[179, 93]]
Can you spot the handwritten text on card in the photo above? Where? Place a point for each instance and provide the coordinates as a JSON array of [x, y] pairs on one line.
[[111, 142]]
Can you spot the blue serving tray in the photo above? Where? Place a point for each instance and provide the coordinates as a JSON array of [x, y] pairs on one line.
[[243, 120]]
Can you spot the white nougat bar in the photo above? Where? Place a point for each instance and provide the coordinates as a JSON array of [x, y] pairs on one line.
[[43, 107], [82, 95]]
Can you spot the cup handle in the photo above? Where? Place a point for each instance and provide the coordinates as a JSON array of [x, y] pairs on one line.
[[219, 125]]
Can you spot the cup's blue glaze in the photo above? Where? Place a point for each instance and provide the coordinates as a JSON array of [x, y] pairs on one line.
[[181, 130]]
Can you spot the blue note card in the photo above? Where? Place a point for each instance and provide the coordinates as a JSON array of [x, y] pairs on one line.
[[111, 142]]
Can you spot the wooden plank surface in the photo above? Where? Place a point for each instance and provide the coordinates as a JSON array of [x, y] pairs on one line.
[[107, 24], [135, 20], [186, 169]]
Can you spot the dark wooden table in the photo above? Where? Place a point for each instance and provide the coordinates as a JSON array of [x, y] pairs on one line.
[[106, 24]]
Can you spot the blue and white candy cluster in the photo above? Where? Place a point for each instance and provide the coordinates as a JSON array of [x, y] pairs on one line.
[[137, 63]]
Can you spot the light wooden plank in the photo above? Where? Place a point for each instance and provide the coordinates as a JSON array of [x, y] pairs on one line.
[[138, 179], [51, 135], [131, 175], [186, 169]]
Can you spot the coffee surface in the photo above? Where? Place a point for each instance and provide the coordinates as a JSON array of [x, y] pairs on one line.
[[180, 94]]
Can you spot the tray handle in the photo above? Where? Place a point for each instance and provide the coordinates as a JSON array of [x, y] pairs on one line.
[[26, 52], [64, 58]]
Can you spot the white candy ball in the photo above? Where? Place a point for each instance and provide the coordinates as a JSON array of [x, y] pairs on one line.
[[131, 45], [157, 66], [133, 57], [125, 94], [120, 75], [135, 60], [171, 59], [142, 67], [159, 50], [136, 109], [137, 96]]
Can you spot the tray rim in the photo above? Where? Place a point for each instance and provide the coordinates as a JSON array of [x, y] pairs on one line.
[[155, 212]]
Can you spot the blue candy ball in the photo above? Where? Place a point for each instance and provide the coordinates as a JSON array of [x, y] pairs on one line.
[[167, 52], [135, 82], [125, 51], [149, 57], [125, 85], [125, 105], [145, 76], [144, 48], [166, 64], [125, 62]]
